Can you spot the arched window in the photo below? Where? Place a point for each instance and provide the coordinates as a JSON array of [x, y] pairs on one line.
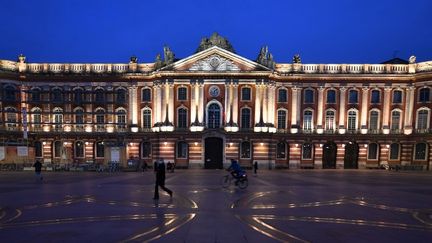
[[375, 96], [281, 150], [331, 96], [245, 118], [282, 95], [182, 93], [36, 117], [307, 120], [307, 150], [100, 149], [214, 116], [146, 150], [182, 116], [309, 96], [329, 120], [394, 151], [374, 120], [353, 97], [245, 150], [420, 152], [100, 119], [395, 120], [397, 97], [424, 95], [78, 95], [147, 119], [373, 151], [58, 146], [11, 115], [121, 118], [79, 149], [56, 95], [281, 114], [38, 149], [35, 95], [10, 93], [99, 95], [58, 118], [422, 119], [146, 95], [182, 150], [121, 96], [352, 120], [246, 94], [79, 119]]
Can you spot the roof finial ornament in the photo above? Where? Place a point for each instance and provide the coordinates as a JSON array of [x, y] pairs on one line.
[[215, 40], [21, 58]]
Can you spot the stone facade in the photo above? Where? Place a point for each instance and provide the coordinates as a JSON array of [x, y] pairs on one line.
[[213, 106]]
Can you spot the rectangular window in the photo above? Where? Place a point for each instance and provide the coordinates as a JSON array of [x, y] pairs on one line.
[[397, 97], [394, 151]]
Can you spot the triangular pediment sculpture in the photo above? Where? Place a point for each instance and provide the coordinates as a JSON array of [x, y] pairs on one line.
[[215, 59]]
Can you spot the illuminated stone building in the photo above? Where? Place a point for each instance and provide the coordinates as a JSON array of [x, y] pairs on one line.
[[215, 105]]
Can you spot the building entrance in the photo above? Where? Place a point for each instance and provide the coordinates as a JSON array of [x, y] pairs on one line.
[[351, 155], [213, 153], [329, 155]]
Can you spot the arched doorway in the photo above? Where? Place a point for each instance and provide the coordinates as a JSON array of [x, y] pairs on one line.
[[213, 158], [329, 155], [351, 155]]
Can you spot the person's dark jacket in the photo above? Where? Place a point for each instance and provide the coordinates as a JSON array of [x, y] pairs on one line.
[[38, 166], [160, 173]]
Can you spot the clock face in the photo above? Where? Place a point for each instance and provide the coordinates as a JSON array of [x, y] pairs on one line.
[[214, 91]]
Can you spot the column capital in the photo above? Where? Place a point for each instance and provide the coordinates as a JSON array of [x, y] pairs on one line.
[[321, 89], [343, 89], [365, 88], [388, 88]]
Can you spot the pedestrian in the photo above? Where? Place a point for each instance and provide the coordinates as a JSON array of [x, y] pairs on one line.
[[144, 166], [160, 179], [255, 166], [38, 170]]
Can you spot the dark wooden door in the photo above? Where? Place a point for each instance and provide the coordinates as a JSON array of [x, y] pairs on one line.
[[351, 155], [329, 155], [213, 153]]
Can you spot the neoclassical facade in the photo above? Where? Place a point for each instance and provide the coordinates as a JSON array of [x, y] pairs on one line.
[[215, 105]]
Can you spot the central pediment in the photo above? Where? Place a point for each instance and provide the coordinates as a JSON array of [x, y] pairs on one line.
[[215, 59]]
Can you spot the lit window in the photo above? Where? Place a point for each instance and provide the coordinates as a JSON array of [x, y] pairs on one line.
[[420, 151], [307, 120], [281, 119], [147, 119], [395, 120], [281, 150], [307, 151], [373, 120], [422, 119], [245, 150]]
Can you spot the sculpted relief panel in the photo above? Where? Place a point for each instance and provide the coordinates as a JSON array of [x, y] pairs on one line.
[[214, 63]]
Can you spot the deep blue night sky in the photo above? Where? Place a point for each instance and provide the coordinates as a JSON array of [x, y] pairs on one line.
[[349, 31]]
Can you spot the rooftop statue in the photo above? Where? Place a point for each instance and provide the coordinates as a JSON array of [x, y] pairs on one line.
[[158, 61], [215, 40], [21, 58], [168, 55], [412, 59], [296, 59], [265, 58], [133, 59]]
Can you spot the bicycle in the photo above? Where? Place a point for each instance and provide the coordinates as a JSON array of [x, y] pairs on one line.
[[242, 181]]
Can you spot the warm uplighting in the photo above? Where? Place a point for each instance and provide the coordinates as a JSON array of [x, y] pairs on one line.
[[365, 145], [387, 145], [86, 143], [321, 145], [44, 143], [196, 143], [165, 143], [261, 144], [343, 145], [296, 145]]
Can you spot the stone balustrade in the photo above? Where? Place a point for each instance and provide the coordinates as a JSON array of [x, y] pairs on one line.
[[119, 68]]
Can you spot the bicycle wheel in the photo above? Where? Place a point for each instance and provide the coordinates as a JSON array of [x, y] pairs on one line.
[[243, 183], [226, 181]]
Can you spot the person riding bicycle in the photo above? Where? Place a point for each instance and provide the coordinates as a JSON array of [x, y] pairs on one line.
[[236, 170]]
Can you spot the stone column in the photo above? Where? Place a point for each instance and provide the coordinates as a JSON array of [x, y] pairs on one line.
[[170, 98], [258, 93], [319, 123], [133, 106], [295, 106], [201, 110], [265, 102], [227, 101], [271, 91], [364, 110], [164, 93], [235, 103], [193, 107], [386, 110], [342, 110], [409, 109]]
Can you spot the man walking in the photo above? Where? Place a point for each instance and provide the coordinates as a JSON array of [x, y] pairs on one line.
[[255, 166], [160, 179], [38, 169]]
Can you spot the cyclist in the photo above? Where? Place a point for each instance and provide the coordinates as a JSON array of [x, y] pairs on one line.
[[236, 170]]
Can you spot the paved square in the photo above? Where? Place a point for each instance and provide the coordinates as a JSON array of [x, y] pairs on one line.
[[278, 206]]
